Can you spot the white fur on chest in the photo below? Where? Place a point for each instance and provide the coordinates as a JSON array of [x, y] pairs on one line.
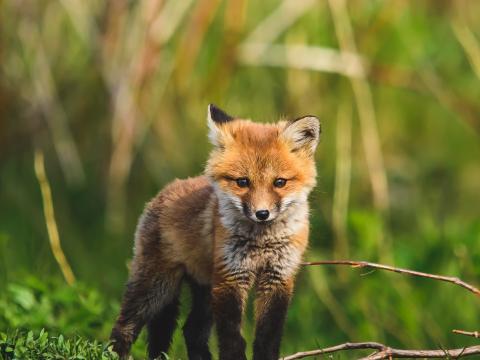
[[252, 247], [250, 257]]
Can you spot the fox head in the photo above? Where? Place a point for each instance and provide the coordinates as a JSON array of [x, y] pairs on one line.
[[261, 170]]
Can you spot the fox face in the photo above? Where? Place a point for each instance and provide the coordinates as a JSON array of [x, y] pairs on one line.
[[261, 170]]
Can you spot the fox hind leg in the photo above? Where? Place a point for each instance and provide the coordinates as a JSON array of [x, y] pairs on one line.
[[199, 323], [160, 329], [143, 302], [131, 318]]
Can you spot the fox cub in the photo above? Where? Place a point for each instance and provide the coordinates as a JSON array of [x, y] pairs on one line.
[[243, 224]]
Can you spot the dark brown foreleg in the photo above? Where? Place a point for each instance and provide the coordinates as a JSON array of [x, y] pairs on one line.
[[229, 296], [272, 298]]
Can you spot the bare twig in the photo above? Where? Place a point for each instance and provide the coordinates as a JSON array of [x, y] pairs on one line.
[[385, 352], [342, 347], [50, 218], [475, 334], [363, 264], [391, 353]]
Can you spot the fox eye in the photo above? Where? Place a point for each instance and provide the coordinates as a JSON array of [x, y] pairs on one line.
[[243, 182], [279, 183]]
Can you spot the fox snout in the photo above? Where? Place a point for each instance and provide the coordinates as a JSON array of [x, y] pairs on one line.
[[260, 214]]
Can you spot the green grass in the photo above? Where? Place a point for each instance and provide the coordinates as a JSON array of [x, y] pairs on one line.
[[28, 345]]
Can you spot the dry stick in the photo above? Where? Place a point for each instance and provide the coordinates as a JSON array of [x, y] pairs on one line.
[[342, 347], [390, 353], [475, 334], [383, 351], [362, 264], [50, 218]]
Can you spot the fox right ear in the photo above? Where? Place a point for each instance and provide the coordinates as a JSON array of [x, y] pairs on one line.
[[216, 118]]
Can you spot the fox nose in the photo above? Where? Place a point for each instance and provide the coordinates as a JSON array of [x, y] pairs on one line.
[[262, 214]]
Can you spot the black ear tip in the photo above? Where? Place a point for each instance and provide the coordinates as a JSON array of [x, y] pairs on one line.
[[218, 115]]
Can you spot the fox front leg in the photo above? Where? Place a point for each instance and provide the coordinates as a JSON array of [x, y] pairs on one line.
[[272, 299], [229, 295]]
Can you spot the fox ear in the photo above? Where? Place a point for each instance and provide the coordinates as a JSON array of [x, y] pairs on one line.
[[217, 115], [216, 118], [303, 134]]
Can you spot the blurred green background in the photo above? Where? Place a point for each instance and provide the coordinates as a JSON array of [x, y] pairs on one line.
[[114, 94]]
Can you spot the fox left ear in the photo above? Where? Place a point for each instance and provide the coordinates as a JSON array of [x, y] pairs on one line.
[[217, 115], [216, 119], [303, 134]]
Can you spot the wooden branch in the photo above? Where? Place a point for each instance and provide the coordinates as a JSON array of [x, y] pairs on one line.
[[341, 347], [390, 353], [365, 264], [51, 223], [385, 352], [475, 334]]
